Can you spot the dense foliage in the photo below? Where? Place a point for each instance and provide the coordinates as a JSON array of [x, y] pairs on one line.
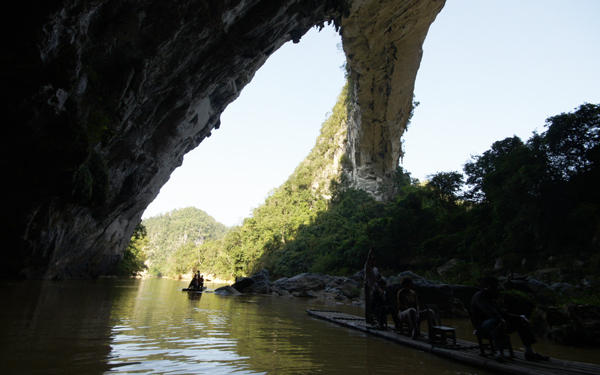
[[533, 204], [174, 238]]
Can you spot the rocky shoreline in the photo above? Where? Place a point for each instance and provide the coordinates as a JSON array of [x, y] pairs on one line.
[[569, 324]]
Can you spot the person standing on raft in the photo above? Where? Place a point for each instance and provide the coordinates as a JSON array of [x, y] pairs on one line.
[[371, 278], [194, 283]]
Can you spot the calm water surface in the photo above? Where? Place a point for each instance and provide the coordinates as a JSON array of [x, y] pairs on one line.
[[149, 326]]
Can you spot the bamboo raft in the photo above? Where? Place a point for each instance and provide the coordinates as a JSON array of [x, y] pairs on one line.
[[194, 290], [464, 351]]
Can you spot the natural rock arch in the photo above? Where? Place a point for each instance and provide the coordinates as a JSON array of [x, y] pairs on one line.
[[106, 97]]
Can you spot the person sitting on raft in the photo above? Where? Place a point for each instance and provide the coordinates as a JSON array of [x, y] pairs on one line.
[[496, 322], [381, 306], [408, 305]]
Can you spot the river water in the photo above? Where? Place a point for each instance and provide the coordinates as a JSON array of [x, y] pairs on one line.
[[148, 326]]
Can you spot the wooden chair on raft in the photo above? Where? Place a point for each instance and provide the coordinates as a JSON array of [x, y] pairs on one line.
[[490, 343], [438, 333], [403, 325]]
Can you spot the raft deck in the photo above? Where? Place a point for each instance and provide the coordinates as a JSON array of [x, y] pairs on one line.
[[464, 351]]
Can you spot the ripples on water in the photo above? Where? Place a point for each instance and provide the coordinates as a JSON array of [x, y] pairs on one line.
[[150, 327]]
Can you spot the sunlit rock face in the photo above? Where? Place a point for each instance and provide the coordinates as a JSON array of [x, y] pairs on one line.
[[102, 99]]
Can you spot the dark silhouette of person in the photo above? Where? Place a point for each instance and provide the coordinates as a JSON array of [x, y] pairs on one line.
[[495, 322], [194, 283], [371, 278]]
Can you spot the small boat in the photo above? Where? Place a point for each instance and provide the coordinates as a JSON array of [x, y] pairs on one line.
[[194, 290]]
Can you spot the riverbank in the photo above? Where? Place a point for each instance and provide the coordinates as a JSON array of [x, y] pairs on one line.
[[188, 276]]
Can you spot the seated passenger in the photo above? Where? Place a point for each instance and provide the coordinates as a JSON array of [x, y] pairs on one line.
[[408, 305], [495, 322], [381, 306]]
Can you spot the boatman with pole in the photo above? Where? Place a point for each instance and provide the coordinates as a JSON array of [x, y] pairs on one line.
[[371, 278]]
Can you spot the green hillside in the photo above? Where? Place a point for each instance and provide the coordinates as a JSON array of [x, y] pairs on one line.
[[171, 236]]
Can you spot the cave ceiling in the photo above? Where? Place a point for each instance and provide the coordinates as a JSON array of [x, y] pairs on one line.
[[102, 99]]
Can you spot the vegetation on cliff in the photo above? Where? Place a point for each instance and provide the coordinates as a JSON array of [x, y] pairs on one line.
[[134, 257], [262, 239]]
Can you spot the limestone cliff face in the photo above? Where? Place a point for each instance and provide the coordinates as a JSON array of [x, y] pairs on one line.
[[102, 99], [383, 44]]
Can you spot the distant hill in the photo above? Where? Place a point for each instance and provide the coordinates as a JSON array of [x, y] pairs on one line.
[[167, 233]]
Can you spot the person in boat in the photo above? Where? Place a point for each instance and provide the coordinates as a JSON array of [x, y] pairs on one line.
[[382, 306], [494, 321], [408, 306], [371, 278], [201, 282], [194, 283]]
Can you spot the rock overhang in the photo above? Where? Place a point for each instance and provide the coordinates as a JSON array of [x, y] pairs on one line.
[[108, 96]]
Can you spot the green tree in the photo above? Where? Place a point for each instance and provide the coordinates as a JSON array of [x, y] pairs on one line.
[[572, 212], [446, 185], [573, 140], [538, 198]]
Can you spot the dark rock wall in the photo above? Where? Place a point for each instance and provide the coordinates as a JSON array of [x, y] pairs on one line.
[[101, 101]]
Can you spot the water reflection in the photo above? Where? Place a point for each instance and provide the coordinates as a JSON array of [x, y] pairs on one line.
[[194, 296], [250, 335], [151, 327], [173, 332], [55, 328]]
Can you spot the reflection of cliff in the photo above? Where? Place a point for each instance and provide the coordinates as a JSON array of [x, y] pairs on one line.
[[55, 328], [106, 97]]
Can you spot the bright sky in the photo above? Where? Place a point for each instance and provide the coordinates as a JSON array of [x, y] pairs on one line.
[[490, 70]]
